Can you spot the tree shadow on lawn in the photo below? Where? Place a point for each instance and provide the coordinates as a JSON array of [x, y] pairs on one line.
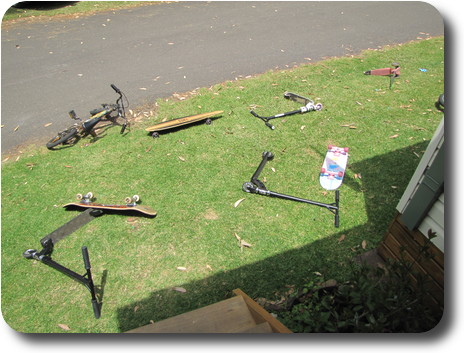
[[383, 180]]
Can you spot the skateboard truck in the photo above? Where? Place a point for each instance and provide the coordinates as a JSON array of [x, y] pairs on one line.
[[51, 239], [308, 106], [388, 71], [256, 186]]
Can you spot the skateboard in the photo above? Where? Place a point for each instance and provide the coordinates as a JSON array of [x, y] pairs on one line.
[[85, 201], [333, 168], [171, 124]]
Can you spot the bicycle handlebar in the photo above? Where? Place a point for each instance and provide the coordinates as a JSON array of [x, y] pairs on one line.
[[117, 90]]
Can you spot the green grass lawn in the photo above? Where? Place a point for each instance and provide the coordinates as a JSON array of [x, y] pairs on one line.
[[192, 177]]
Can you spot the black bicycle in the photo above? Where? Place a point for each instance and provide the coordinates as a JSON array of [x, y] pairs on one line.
[[83, 128]]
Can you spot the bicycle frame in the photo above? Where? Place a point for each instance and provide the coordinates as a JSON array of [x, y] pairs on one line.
[[87, 126]]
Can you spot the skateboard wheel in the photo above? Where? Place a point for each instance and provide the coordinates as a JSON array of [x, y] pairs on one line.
[[208, 121], [155, 135], [318, 106], [329, 147], [79, 197], [128, 200], [346, 149], [340, 174], [136, 198], [89, 195]]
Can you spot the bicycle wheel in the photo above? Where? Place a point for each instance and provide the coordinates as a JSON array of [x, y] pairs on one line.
[[62, 137]]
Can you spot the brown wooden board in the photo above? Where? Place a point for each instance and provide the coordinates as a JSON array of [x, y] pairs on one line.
[[227, 316], [170, 124], [116, 208]]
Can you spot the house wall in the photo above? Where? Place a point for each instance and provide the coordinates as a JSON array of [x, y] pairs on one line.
[[433, 197], [401, 243], [421, 210]]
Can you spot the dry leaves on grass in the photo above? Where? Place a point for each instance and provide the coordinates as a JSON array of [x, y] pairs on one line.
[[64, 327], [242, 243], [179, 289], [238, 202], [364, 244]]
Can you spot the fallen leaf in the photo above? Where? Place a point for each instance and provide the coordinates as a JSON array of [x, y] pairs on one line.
[[342, 237], [136, 308], [181, 268], [179, 289], [364, 244], [238, 202], [302, 127], [64, 327], [317, 273], [182, 158], [209, 267], [48, 124], [243, 243], [394, 136], [68, 166], [328, 284], [16, 128]]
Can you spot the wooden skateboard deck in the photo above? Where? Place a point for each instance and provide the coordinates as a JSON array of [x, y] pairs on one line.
[[85, 201], [137, 208], [170, 124], [333, 167]]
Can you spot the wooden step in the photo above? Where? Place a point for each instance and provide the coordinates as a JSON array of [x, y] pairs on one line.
[[227, 316], [263, 327], [239, 314]]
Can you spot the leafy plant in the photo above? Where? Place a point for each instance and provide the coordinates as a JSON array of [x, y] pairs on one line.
[[374, 299]]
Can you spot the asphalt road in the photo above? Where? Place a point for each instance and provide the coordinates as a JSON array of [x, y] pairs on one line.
[[51, 67]]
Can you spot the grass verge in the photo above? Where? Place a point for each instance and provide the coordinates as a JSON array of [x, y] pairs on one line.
[[193, 177]]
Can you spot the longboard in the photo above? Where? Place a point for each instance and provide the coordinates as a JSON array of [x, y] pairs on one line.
[[171, 124], [333, 167], [130, 206]]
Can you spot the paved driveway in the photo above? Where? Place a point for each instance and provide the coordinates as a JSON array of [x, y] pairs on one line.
[[51, 67]]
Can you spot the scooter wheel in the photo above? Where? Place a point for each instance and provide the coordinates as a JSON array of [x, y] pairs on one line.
[[268, 155], [247, 187], [29, 254]]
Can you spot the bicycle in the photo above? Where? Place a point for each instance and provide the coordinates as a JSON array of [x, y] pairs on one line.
[[71, 135]]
